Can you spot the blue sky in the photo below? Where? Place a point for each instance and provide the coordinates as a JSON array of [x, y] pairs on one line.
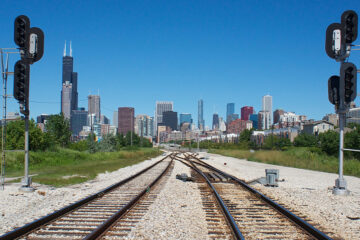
[[137, 52]]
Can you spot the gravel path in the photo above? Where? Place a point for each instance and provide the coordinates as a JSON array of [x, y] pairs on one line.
[[309, 192]]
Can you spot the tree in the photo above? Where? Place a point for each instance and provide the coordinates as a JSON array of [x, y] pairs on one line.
[[329, 142], [275, 142], [58, 129], [306, 140], [352, 141], [107, 143], [245, 135], [15, 136], [92, 144]]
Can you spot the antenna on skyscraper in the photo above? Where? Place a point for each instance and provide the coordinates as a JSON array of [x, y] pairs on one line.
[[65, 49], [70, 50]]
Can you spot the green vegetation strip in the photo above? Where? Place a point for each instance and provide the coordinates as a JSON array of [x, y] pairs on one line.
[[65, 167], [300, 157]]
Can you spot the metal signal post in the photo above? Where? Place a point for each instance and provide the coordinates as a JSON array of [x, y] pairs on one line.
[[342, 89], [31, 45]]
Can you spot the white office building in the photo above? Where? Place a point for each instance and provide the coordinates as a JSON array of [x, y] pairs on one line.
[[160, 108], [267, 105]]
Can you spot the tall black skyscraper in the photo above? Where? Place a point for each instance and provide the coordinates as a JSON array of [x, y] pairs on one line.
[[69, 94], [215, 121], [170, 119]]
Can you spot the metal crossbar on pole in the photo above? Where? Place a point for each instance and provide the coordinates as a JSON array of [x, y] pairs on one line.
[[351, 150]]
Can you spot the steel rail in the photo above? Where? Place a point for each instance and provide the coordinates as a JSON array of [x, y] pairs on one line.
[[234, 227], [299, 221], [100, 231], [52, 216]]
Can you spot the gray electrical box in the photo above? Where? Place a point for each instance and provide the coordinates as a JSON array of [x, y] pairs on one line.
[[272, 176]]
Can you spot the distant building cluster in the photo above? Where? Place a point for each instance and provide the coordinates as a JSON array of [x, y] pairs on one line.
[[168, 125]]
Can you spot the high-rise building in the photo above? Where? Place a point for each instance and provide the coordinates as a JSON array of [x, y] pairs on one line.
[[185, 118], [78, 120], [267, 105], [246, 111], [94, 106], [69, 94], [159, 109], [170, 119], [144, 126], [126, 120], [66, 99], [239, 125], [232, 117], [104, 120], [222, 124], [39, 119], [201, 121], [264, 120], [277, 114], [254, 119], [215, 125], [115, 118], [230, 109]]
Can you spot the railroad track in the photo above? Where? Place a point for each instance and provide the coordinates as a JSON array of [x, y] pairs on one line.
[[250, 214], [107, 214]]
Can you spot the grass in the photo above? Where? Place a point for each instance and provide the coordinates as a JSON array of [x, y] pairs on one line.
[[65, 167], [303, 158]]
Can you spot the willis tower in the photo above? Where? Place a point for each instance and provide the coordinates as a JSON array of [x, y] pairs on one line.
[[69, 94]]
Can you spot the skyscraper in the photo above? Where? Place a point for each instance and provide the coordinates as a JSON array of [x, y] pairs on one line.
[[170, 119], [94, 106], [115, 118], [267, 105], [185, 117], [230, 109], [126, 120], [246, 111], [69, 94], [78, 120], [66, 99], [159, 109], [215, 125], [201, 121]]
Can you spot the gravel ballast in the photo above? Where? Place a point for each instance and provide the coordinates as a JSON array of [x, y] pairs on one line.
[[18, 208], [307, 191], [177, 211]]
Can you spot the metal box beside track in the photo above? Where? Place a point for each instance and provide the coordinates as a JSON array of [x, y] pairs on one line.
[[272, 176]]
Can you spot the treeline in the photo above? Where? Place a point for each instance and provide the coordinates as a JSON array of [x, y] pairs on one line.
[[327, 142], [58, 134], [110, 143]]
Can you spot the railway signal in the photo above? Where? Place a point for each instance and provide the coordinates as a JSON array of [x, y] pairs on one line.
[[21, 81], [348, 76], [31, 44], [21, 29], [342, 90], [349, 20], [36, 44], [333, 40], [333, 90]]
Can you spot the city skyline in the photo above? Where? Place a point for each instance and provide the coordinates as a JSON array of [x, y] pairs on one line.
[[215, 43]]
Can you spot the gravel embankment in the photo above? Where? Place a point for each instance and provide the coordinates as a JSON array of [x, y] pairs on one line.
[[18, 208], [309, 192]]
